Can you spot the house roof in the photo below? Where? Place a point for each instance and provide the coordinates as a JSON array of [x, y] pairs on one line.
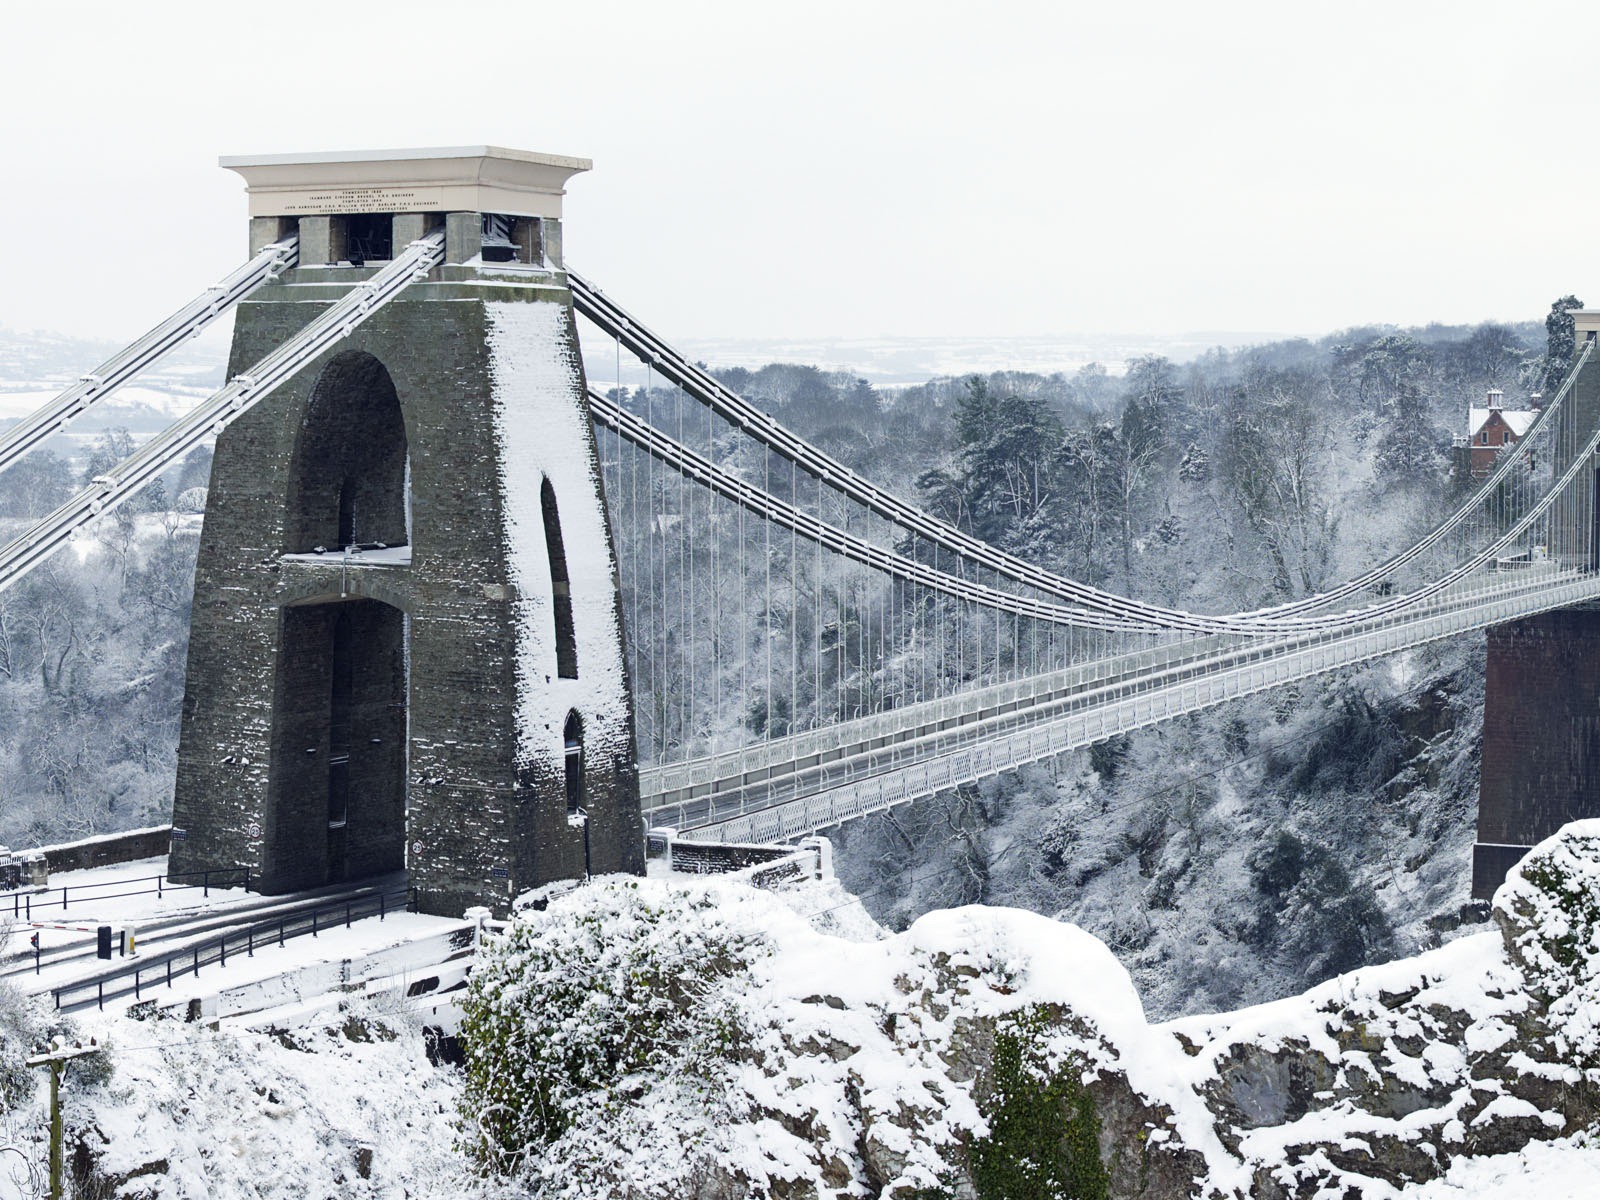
[[1517, 420]]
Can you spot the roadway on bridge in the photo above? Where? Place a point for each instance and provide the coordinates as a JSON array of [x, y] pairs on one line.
[[907, 754]]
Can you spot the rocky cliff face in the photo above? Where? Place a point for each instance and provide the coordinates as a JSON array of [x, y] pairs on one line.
[[646, 1040], [989, 1052]]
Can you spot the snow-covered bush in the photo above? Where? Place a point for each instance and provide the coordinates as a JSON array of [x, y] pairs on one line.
[[646, 1041], [341, 1103], [598, 1028], [1549, 910], [20, 1034]]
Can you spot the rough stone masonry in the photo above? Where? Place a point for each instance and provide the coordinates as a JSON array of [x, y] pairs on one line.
[[450, 698]]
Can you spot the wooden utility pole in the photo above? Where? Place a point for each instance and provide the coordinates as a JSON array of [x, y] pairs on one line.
[[57, 1058]]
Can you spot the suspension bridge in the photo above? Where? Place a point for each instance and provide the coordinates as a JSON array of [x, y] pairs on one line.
[[780, 644]]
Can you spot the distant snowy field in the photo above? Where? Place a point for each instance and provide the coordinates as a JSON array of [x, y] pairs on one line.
[[903, 361], [34, 367], [892, 362]]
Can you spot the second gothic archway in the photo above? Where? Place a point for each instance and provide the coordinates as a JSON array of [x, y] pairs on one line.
[[348, 483]]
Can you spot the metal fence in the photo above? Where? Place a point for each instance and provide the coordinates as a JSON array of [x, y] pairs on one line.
[[23, 904], [146, 976]]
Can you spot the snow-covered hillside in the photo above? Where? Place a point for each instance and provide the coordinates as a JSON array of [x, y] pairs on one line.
[[35, 367], [659, 1041], [1228, 858]]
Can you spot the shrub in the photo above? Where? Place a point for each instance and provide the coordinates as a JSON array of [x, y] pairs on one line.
[[597, 1016], [21, 1032], [1108, 757], [1044, 1132]]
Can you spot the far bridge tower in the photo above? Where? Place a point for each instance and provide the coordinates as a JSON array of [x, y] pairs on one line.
[[407, 646], [1541, 711]]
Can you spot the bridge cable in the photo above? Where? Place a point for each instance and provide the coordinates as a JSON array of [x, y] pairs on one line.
[[772, 510], [145, 352], [764, 428], [226, 405], [769, 507]]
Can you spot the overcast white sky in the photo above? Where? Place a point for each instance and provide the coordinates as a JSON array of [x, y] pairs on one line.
[[849, 169]]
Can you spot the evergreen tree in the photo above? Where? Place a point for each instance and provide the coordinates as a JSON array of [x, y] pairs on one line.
[[1410, 451], [1560, 341], [1008, 447]]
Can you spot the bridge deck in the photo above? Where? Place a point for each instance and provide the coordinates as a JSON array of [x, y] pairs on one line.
[[788, 790]]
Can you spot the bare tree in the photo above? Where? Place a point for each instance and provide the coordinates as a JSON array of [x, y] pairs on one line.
[[1274, 465]]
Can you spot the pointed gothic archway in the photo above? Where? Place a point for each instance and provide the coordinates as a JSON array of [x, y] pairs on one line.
[[338, 783]]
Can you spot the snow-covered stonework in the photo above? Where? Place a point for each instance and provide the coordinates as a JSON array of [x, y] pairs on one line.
[[541, 429], [649, 1040], [453, 422]]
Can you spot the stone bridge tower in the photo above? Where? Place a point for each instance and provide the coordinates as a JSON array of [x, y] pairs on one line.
[[1541, 707], [406, 648]]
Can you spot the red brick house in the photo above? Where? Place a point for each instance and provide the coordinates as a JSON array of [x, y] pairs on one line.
[[1492, 428]]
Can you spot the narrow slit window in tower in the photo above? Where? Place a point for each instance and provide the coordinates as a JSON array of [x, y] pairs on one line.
[[339, 721], [560, 585], [572, 738]]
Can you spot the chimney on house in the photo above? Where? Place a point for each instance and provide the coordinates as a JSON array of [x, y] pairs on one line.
[[1495, 397]]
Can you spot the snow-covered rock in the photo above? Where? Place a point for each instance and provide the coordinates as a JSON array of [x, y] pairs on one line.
[[878, 1068], [649, 1039], [1549, 912]]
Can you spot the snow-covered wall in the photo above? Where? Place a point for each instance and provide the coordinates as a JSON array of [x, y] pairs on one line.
[[542, 432]]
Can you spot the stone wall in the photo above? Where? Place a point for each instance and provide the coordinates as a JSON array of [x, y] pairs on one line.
[[108, 849], [485, 792], [718, 858], [1541, 737]]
